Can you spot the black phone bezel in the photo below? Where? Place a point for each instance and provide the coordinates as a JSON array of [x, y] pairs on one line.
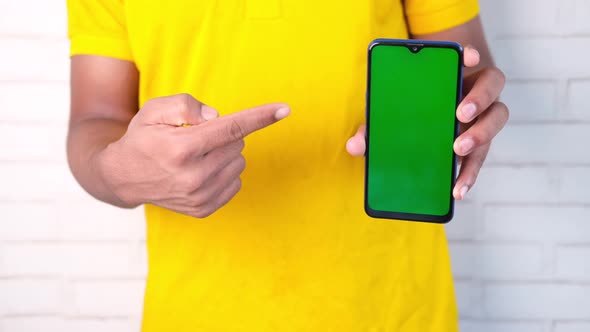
[[410, 44]]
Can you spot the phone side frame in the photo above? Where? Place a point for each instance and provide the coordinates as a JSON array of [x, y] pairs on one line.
[[459, 95]]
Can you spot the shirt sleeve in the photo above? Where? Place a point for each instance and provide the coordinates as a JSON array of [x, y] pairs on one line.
[[429, 16], [98, 27]]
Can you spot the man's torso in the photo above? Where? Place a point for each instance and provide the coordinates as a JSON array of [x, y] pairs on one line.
[[294, 250]]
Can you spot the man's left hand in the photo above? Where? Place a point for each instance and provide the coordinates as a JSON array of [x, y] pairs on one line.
[[482, 117]]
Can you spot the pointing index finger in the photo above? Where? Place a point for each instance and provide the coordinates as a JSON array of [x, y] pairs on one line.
[[237, 126]]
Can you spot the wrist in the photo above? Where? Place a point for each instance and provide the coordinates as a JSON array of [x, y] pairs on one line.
[[109, 162]]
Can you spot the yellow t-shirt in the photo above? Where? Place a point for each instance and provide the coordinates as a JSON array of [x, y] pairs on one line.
[[294, 250]]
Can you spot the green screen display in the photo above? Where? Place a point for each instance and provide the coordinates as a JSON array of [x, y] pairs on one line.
[[412, 102]]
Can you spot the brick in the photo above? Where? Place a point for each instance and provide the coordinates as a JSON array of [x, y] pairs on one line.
[[575, 17], [37, 181], [28, 221], [537, 301], [464, 224], [578, 101], [109, 298], [575, 184], [32, 142], [32, 102], [32, 260], [32, 324], [34, 60], [469, 298], [543, 58], [60, 324], [514, 185], [496, 261], [505, 17], [81, 216], [537, 223], [102, 325], [530, 100], [572, 327], [33, 18], [29, 296], [573, 262], [73, 260], [551, 141], [86, 218], [494, 326]]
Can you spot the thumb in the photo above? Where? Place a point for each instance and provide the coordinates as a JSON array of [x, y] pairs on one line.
[[356, 145], [471, 56], [178, 110]]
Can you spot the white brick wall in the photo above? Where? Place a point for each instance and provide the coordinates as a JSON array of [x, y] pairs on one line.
[[67, 262], [524, 263], [572, 327], [520, 245], [531, 300]]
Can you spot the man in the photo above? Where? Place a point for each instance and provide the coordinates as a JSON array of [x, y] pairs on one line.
[[282, 244]]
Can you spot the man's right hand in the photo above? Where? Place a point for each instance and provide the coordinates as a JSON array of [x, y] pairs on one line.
[[178, 154]]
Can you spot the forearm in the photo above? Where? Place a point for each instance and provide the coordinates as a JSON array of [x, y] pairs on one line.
[[87, 144]]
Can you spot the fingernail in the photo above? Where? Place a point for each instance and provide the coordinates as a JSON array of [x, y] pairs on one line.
[[282, 113], [463, 191], [466, 145], [469, 111], [473, 49], [209, 113]]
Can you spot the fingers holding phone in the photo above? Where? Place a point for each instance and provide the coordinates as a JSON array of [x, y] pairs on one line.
[[482, 117]]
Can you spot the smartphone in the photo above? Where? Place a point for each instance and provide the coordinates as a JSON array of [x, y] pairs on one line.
[[413, 90]]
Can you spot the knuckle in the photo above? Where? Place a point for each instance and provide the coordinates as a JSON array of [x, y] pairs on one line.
[[479, 139], [202, 213], [489, 71], [198, 145], [178, 153], [235, 188], [236, 131], [193, 182], [198, 201], [183, 102], [199, 198], [500, 76], [241, 163], [241, 145], [496, 75], [503, 110], [486, 97], [124, 194], [498, 117]]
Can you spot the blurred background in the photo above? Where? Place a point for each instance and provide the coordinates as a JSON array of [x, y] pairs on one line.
[[520, 245]]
